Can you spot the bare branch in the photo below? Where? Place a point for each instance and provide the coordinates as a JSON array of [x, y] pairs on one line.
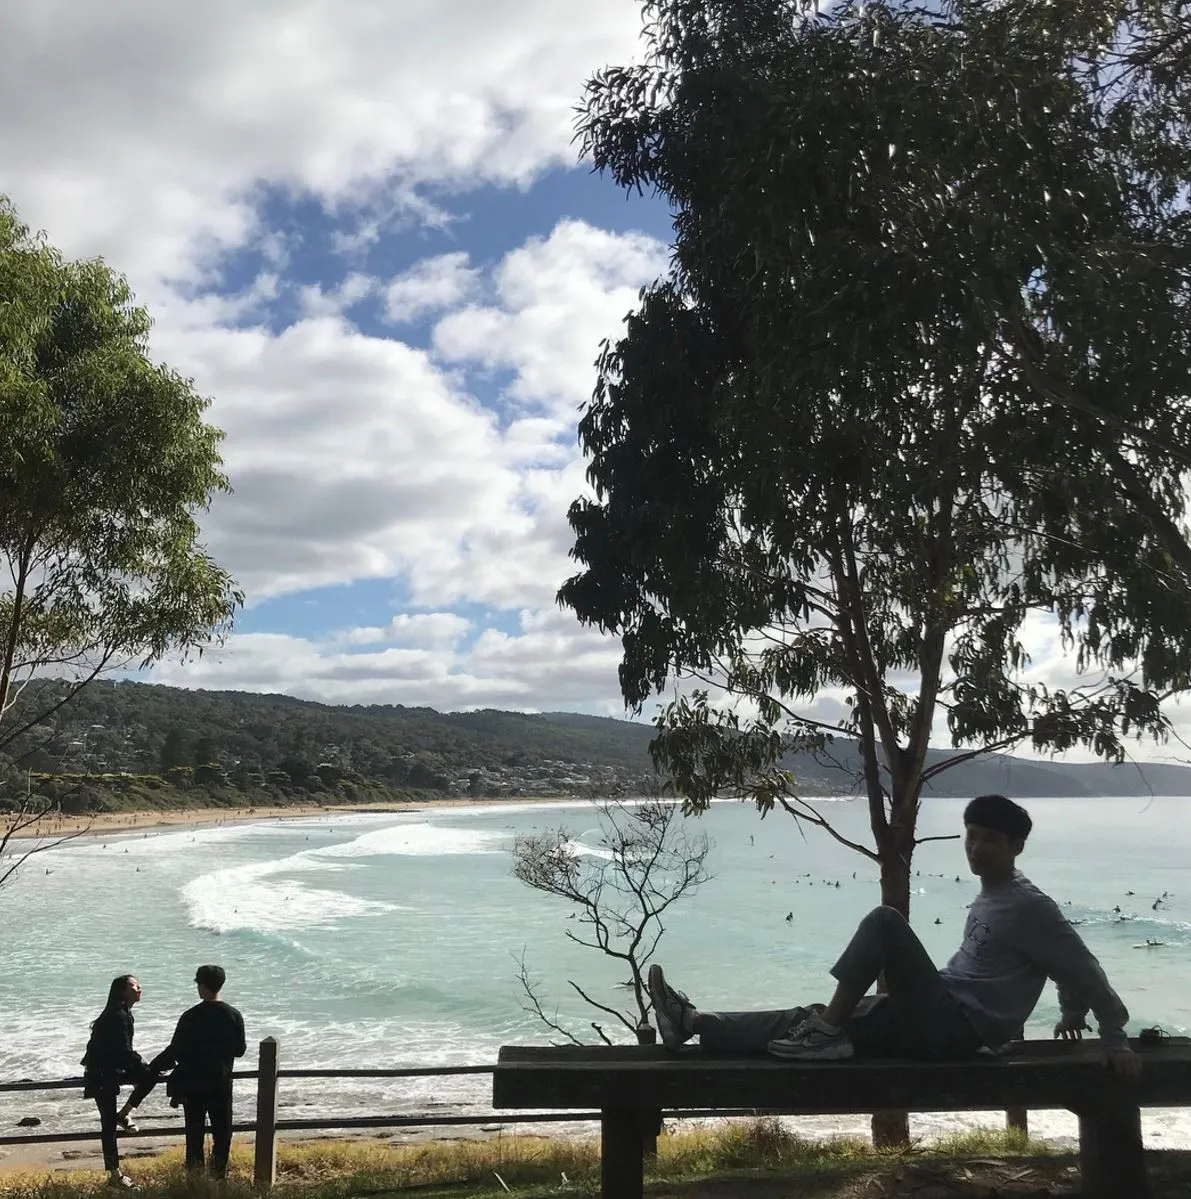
[[595, 1003], [621, 898], [957, 759], [813, 817], [19, 826], [535, 1005]]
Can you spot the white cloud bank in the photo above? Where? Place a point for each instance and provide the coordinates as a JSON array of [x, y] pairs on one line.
[[146, 130]]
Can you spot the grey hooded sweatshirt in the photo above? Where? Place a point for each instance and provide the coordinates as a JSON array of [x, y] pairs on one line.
[[1014, 940]]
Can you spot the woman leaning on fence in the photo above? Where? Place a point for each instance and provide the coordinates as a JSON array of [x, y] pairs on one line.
[[110, 1061]]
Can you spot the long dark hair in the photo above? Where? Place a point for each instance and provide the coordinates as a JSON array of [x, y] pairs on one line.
[[116, 994]]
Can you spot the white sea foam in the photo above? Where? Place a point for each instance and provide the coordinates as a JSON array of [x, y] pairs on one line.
[[244, 897], [417, 840], [250, 897]]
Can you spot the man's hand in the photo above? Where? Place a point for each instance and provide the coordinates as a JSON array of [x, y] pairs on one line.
[[1071, 1028], [1125, 1063]]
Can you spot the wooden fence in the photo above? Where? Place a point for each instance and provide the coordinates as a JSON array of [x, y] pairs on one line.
[[266, 1124]]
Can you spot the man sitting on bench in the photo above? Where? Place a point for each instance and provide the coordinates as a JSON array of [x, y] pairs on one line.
[[1014, 940]]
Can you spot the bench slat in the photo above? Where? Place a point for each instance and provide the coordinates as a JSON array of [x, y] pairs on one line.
[[1041, 1074]]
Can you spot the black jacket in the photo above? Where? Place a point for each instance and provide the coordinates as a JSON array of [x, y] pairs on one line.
[[208, 1039], [110, 1058]]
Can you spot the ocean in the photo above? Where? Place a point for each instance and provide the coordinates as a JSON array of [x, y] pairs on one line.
[[394, 940]]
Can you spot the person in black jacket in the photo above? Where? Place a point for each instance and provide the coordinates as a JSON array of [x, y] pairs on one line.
[[110, 1060], [208, 1039]]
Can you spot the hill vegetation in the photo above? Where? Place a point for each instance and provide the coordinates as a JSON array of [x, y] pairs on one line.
[[137, 745], [124, 745]]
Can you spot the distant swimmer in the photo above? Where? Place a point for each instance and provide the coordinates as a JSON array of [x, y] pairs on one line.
[[789, 917], [938, 920]]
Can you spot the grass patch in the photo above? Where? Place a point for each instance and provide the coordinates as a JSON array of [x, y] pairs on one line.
[[531, 1167], [992, 1142]]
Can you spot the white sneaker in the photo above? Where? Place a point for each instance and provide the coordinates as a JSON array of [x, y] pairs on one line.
[[127, 1124], [672, 1010], [813, 1041], [117, 1178]]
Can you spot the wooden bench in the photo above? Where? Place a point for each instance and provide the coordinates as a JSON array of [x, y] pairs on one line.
[[633, 1085]]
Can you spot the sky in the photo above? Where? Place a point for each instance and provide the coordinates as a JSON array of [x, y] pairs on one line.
[[364, 231]]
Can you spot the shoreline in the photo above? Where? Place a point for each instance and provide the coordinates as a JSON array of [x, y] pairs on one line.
[[149, 820]]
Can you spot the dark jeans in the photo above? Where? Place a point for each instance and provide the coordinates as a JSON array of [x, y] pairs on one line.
[[198, 1109], [105, 1101], [917, 1018]]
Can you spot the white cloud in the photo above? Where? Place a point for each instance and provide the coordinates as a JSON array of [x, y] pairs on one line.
[[147, 129], [423, 629], [540, 288], [355, 456], [352, 290], [430, 286], [560, 666]]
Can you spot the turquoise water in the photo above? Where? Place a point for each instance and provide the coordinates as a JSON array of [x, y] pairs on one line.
[[390, 940]]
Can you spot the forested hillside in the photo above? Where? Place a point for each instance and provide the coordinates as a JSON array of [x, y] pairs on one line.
[[135, 744], [126, 739]]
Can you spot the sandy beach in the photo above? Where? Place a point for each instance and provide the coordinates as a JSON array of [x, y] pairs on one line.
[[155, 820]]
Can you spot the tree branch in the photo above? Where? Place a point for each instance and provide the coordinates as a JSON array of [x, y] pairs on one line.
[[813, 817]]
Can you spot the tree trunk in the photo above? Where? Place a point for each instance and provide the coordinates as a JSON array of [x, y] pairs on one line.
[[891, 1129]]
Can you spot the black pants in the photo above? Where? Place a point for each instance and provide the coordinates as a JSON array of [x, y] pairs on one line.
[[198, 1109], [106, 1100]]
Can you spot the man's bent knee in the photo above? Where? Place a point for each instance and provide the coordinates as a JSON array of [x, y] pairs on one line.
[[884, 915]]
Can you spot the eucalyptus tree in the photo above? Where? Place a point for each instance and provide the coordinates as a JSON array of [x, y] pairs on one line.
[[106, 463], [915, 385]]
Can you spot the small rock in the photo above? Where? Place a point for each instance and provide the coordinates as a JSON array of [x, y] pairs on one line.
[[28, 1122]]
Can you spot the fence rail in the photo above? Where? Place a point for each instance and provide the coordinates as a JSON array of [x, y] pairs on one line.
[[267, 1125]]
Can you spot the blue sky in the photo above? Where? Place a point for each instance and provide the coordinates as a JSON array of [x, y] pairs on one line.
[[364, 232]]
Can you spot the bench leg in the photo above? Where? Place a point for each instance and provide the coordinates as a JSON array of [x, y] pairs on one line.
[[622, 1164], [1111, 1157], [650, 1120]]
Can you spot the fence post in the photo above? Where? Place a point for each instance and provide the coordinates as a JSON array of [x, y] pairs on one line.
[[264, 1172], [1017, 1119], [650, 1119]]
